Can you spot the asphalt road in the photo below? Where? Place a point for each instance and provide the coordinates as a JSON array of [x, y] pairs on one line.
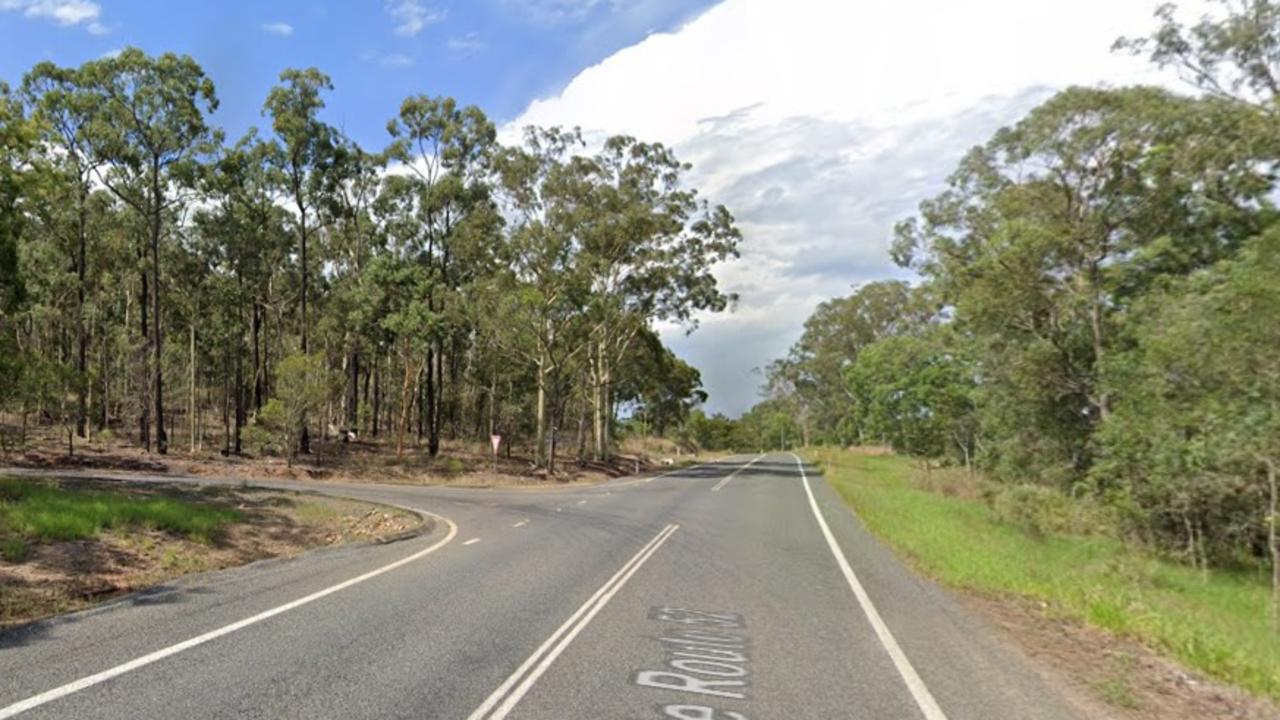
[[741, 589]]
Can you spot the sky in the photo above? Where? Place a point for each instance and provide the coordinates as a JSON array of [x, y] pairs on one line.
[[819, 123]]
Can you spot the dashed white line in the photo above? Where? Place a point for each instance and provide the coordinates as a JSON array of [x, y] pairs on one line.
[[472, 541], [509, 693], [919, 692], [582, 502], [522, 523], [101, 677], [733, 474]]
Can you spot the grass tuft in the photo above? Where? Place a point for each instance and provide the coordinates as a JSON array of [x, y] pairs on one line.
[[43, 511]]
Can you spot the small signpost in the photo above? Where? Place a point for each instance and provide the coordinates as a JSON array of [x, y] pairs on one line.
[[495, 440]]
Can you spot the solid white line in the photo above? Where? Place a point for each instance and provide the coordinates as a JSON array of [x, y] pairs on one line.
[[733, 474], [560, 639], [924, 699], [472, 541], [87, 682]]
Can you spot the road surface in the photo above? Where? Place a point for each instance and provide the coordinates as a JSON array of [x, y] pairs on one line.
[[740, 589]]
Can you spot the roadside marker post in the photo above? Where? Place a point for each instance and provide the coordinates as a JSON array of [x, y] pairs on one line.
[[495, 441]]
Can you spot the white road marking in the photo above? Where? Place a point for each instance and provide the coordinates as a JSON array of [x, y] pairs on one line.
[[733, 474], [582, 502], [924, 699], [522, 523], [472, 541], [509, 693], [101, 677]]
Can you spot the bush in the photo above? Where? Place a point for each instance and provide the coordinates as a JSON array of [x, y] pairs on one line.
[[1036, 509]]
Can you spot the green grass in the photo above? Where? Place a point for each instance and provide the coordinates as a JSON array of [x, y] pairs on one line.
[[1215, 622], [37, 511]]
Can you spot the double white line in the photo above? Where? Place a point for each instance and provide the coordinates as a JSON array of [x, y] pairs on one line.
[[514, 688]]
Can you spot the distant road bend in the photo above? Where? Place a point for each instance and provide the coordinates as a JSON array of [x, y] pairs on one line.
[[738, 589]]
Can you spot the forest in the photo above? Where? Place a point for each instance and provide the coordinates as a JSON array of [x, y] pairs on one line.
[[164, 286], [1097, 320]]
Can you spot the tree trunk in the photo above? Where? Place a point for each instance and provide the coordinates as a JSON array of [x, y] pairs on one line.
[[304, 440], [259, 374], [144, 387], [434, 394], [540, 453], [157, 342], [353, 389], [191, 395], [1273, 542], [82, 339], [377, 393]]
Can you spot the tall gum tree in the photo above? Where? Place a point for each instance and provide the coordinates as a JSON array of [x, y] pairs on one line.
[[149, 133], [304, 154], [447, 150]]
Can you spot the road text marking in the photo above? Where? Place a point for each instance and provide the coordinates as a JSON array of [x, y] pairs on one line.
[[97, 678], [703, 658], [731, 475], [510, 692], [924, 699]]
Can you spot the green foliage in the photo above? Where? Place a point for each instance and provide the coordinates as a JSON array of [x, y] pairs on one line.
[[44, 511], [303, 384]]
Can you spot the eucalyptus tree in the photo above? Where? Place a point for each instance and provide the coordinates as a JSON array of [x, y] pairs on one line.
[[543, 293], [303, 156], [353, 242], [649, 245], [447, 150], [149, 132], [242, 235], [1195, 441], [834, 335], [65, 112], [1050, 229], [18, 138]]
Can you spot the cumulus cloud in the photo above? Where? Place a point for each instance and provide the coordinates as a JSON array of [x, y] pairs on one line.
[[283, 29], [62, 12], [820, 124], [411, 16]]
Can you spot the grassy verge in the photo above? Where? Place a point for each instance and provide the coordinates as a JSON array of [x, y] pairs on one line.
[[1214, 622], [34, 511], [65, 545]]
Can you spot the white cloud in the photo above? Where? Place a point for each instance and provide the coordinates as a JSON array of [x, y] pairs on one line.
[[283, 29], [468, 44], [820, 124], [62, 12], [387, 60], [411, 16]]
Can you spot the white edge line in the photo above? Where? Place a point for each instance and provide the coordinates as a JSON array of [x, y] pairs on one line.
[[734, 474], [572, 626], [101, 677], [919, 692]]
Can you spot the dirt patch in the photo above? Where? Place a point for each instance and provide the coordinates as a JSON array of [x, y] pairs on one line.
[[57, 577], [460, 463], [1114, 678]]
